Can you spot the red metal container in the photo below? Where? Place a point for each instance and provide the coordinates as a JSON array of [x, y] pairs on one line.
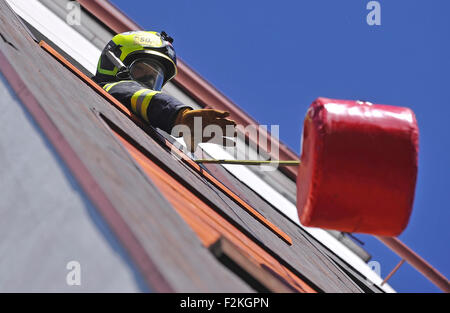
[[358, 167]]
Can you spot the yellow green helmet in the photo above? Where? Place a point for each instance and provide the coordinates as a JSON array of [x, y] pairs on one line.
[[130, 46]]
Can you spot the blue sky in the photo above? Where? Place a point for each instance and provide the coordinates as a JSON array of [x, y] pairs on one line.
[[273, 58]]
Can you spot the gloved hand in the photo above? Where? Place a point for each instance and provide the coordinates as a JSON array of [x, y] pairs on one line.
[[198, 121]]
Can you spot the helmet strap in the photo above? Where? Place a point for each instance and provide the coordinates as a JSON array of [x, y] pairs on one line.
[[123, 71]]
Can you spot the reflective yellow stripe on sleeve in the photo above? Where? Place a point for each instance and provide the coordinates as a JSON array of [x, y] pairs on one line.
[[134, 99], [145, 104], [107, 87]]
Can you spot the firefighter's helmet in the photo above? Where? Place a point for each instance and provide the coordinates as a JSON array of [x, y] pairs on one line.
[[146, 56]]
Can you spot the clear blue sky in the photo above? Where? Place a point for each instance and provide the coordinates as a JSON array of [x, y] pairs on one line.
[[273, 58]]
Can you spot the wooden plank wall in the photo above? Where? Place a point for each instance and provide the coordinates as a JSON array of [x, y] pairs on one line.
[[170, 248], [208, 224], [302, 256], [74, 108]]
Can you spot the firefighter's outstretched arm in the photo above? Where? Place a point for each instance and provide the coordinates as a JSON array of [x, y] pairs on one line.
[[164, 111], [155, 107], [199, 128], [134, 66]]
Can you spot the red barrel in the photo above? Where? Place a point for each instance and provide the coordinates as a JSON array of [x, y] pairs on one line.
[[358, 167]]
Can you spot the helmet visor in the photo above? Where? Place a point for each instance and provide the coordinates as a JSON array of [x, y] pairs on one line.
[[148, 72]]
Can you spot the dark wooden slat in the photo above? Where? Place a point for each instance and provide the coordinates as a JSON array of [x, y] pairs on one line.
[[262, 279]]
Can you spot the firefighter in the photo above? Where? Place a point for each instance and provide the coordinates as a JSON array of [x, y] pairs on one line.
[[134, 66]]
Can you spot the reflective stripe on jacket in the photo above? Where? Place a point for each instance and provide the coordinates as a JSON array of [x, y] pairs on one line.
[[157, 108]]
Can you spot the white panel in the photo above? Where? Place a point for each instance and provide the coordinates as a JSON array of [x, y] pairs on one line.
[[58, 31], [71, 41]]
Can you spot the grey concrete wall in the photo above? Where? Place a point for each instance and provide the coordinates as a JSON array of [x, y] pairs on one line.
[[45, 219]]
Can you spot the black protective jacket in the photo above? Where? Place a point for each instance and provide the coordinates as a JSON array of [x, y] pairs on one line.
[[157, 108]]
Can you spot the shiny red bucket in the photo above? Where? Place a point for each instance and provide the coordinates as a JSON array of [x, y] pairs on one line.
[[358, 167]]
